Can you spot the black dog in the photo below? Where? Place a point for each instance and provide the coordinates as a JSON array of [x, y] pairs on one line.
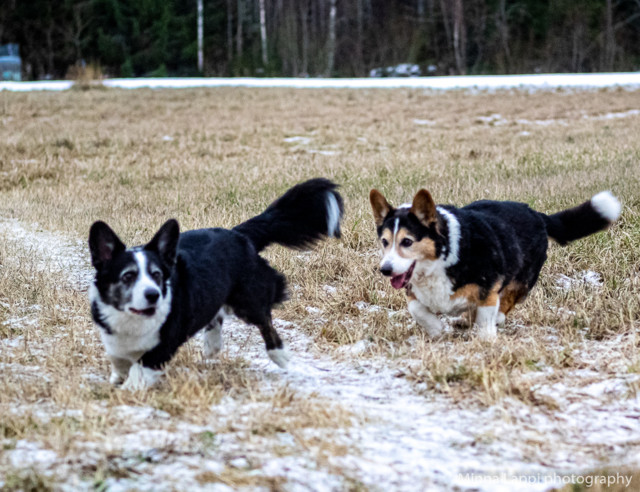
[[148, 300]]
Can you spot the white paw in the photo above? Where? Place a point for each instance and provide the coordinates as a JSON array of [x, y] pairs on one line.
[[115, 378], [280, 356], [212, 342], [500, 319], [487, 332], [429, 322], [141, 378]]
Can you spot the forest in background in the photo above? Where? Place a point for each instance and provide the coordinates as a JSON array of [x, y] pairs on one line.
[[340, 38]]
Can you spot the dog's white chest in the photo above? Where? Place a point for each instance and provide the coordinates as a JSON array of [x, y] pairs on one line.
[[130, 346], [434, 290]]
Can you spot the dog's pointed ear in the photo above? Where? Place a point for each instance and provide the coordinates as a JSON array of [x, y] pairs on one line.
[[380, 206], [424, 208], [103, 244], [165, 242]]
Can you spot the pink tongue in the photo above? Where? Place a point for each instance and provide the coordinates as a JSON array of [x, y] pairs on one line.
[[397, 282]]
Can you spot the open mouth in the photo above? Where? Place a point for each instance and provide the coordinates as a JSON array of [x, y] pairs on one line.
[[144, 312], [400, 281]]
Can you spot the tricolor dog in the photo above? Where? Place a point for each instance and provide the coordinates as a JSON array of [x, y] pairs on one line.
[[148, 300], [485, 256]]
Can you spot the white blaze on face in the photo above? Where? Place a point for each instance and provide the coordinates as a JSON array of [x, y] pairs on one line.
[[392, 258], [143, 283]]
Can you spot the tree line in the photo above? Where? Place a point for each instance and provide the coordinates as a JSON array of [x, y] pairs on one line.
[[130, 38]]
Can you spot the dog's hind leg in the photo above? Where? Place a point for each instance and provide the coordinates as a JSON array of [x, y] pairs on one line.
[[487, 315], [275, 348], [213, 335]]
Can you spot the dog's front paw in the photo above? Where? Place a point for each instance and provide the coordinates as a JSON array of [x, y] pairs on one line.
[[487, 332], [141, 378], [212, 342], [115, 378], [280, 356], [429, 322], [486, 317]]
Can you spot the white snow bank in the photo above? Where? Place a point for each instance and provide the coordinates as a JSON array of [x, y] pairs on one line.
[[534, 81]]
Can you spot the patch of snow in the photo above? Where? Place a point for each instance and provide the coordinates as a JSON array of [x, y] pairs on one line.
[[298, 139], [616, 116], [360, 347], [493, 119], [323, 152], [329, 289], [424, 122], [587, 277], [52, 251], [28, 454], [547, 82]]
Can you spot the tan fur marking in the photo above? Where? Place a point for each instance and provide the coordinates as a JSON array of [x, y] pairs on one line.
[[491, 299], [388, 235], [380, 206], [425, 249], [472, 292], [511, 295], [424, 208]]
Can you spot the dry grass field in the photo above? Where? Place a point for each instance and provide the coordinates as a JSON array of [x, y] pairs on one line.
[[368, 402]]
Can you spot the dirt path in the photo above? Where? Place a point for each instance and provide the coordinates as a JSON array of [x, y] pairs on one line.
[[402, 437]]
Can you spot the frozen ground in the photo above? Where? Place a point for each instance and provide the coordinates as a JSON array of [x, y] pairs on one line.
[[630, 80], [401, 437]]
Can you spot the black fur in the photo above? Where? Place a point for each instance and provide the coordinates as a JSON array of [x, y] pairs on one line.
[[297, 219], [212, 268], [499, 241]]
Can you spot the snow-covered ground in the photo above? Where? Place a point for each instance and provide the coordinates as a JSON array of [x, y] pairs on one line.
[[403, 437], [630, 80]]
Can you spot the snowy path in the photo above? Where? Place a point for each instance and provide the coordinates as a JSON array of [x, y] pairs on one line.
[[405, 438], [629, 80]]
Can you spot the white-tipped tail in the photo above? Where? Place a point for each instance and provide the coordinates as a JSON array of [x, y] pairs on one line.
[[607, 205], [333, 214]]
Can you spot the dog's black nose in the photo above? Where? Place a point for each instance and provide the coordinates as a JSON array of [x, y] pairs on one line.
[[151, 295], [386, 270]]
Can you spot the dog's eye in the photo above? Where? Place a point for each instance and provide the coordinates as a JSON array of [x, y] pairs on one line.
[[128, 277], [385, 243], [406, 242], [157, 276]]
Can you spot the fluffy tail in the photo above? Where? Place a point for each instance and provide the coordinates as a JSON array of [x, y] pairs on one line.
[[590, 217], [299, 218]]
